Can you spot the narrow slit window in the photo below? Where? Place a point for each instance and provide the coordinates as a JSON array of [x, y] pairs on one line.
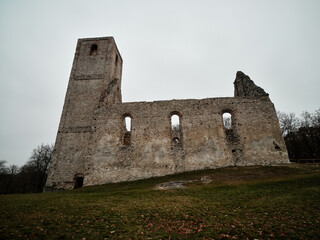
[[116, 65], [227, 122], [116, 60], [94, 50], [127, 133], [128, 123]]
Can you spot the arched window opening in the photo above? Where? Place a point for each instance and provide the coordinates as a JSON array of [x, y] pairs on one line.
[[230, 133], [227, 122], [176, 133], [78, 181], [128, 123], [127, 133], [94, 49], [175, 122]]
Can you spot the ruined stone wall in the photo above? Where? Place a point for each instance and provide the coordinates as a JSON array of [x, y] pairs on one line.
[[256, 138], [93, 145]]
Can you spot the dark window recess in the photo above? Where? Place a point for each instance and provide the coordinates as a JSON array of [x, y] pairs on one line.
[[127, 138], [94, 49], [176, 140], [116, 65], [276, 146], [230, 135]]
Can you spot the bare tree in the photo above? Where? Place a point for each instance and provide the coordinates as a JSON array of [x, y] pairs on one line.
[[13, 170], [302, 136], [40, 161], [4, 171], [316, 118], [307, 119], [3, 168], [288, 122]]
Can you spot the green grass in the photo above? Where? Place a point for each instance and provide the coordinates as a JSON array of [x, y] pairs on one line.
[[249, 202]]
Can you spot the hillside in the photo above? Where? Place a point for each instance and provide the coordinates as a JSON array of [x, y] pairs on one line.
[[232, 203]]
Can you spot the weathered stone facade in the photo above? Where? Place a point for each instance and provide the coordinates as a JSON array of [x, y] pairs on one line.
[[93, 145]]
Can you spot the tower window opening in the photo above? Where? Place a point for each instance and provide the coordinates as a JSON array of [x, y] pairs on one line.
[[94, 50], [175, 122], [116, 65], [128, 123], [227, 122]]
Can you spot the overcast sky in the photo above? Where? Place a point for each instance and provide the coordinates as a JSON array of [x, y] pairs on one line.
[[171, 50]]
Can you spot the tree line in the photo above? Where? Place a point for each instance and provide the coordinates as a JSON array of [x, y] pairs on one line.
[[31, 177], [301, 134]]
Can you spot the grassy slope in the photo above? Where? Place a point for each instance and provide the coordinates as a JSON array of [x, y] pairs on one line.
[[250, 202]]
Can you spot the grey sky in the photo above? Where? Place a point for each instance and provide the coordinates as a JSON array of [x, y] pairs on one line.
[[171, 50]]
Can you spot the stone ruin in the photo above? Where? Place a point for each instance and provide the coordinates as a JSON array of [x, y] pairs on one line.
[[95, 143]]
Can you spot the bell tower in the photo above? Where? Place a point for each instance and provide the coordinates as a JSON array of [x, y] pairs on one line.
[[95, 81]]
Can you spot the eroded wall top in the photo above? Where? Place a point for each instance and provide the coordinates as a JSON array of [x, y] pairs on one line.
[[245, 87]]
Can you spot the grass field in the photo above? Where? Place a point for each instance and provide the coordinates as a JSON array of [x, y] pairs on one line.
[[281, 202]]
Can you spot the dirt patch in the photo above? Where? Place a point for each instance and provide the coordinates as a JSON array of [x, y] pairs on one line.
[[181, 183]]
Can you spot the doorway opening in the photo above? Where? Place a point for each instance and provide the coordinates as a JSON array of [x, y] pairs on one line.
[[78, 181]]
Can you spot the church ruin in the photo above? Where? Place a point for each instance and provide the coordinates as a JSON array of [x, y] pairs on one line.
[[95, 143]]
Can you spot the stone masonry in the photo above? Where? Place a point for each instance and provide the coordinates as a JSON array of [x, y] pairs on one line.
[[93, 145]]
